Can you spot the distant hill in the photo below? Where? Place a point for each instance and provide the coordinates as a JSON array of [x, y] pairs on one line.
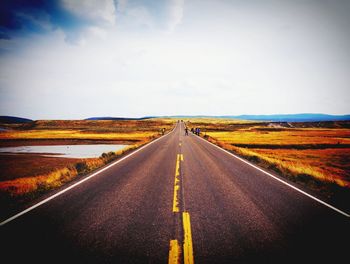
[[276, 118], [273, 118], [116, 118], [293, 117], [13, 120]]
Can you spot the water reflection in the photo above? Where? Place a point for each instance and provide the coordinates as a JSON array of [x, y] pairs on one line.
[[65, 151]]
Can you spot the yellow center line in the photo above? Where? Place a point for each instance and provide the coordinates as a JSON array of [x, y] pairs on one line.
[[174, 252], [187, 246], [177, 169], [176, 185]]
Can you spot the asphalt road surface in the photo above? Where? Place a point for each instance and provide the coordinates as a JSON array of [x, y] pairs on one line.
[[178, 200]]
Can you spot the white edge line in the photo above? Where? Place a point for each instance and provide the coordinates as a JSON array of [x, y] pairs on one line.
[[81, 181], [278, 179]]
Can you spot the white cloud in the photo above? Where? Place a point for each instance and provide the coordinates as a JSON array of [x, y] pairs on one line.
[[121, 5], [99, 11], [175, 13], [161, 16], [41, 20], [221, 60], [140, 17]]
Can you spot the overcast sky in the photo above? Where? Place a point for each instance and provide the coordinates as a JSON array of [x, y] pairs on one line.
[[76, 59]]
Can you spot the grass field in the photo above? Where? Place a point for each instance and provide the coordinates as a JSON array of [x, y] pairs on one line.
[[105, 130], [27, 174], [330, 164], [316, 154]]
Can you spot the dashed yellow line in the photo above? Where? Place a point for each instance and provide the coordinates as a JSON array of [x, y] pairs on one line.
[[177, 168], [176, 185], [174, 252], [188, 248], [175, 201]]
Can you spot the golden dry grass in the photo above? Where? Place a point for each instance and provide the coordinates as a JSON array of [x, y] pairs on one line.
[[77, 134], [57, 177], [118, 130], [290, 136], [332, 165], [317, 150], [50, 180], [137, 131]]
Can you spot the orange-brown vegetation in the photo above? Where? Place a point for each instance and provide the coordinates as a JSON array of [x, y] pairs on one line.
[[26, 165], [332, 165], [102, 130], [284, 137], [27, 173], [316, 152], [55, 175], [53, 179]]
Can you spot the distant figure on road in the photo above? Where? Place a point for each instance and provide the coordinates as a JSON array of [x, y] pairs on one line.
[[186, 131], [163, 131], [192, 130]]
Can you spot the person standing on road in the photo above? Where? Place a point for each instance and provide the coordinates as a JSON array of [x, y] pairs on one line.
[[186, 131]]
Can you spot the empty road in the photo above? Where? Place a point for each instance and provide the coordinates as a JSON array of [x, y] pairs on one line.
[[178, 200]]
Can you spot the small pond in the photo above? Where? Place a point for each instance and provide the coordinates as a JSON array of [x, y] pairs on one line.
[[64, 151]]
